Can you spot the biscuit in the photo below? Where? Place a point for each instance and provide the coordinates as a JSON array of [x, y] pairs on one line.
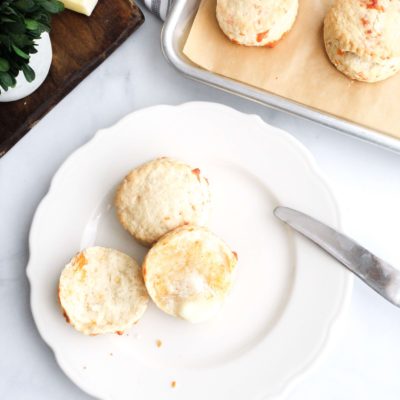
[[189, 272], [160, 196], [101, 290], [362, 38], [256, 22]]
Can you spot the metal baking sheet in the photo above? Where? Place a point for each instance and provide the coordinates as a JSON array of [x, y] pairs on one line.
[[174, 34]]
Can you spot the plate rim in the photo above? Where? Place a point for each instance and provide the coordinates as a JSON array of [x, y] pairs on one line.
[[334, 324]]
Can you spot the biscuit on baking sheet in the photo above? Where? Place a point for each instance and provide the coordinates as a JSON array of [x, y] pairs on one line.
[[256, 22], [362, 38], [189, 272], [160, 196], [101, 290]]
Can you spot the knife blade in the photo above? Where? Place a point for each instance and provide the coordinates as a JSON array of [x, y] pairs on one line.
[[375, 272]]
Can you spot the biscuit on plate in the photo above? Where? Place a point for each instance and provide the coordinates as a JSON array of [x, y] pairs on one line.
[[160, 196], [256, 22], [101, 290], [189, 272], [362, 38]]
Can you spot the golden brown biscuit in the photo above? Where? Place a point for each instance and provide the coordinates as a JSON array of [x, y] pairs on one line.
[[256, 22], [101, 290], [189, 272], [160, 196], [362, 38]]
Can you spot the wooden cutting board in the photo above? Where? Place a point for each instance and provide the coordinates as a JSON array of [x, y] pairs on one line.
[[80, 44]]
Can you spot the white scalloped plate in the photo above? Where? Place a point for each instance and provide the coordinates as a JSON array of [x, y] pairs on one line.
[[288, 296]]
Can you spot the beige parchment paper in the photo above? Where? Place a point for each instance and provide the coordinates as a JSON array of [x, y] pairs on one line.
[[297, 69]]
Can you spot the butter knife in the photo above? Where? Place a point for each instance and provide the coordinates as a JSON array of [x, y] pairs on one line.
[[376, 273]]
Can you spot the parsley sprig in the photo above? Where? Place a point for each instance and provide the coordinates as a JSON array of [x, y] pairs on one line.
[[21, 23]]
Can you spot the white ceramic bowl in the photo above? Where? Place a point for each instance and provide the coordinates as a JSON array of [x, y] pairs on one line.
[[40, 63]]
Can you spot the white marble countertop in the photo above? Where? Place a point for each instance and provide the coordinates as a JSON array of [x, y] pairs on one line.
[[366, 181]]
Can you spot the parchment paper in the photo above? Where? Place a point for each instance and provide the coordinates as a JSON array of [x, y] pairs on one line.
[[297, 69]]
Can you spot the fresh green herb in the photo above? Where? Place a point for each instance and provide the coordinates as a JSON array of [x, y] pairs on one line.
[[21, 23]]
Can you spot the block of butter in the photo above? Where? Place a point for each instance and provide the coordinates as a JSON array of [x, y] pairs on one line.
[[82, 6]]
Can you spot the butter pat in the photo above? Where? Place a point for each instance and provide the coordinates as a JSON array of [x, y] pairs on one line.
[[199, 310], [81, 6]]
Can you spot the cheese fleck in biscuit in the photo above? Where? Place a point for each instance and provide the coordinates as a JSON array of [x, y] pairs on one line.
[[101, 290], [189, 272]]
